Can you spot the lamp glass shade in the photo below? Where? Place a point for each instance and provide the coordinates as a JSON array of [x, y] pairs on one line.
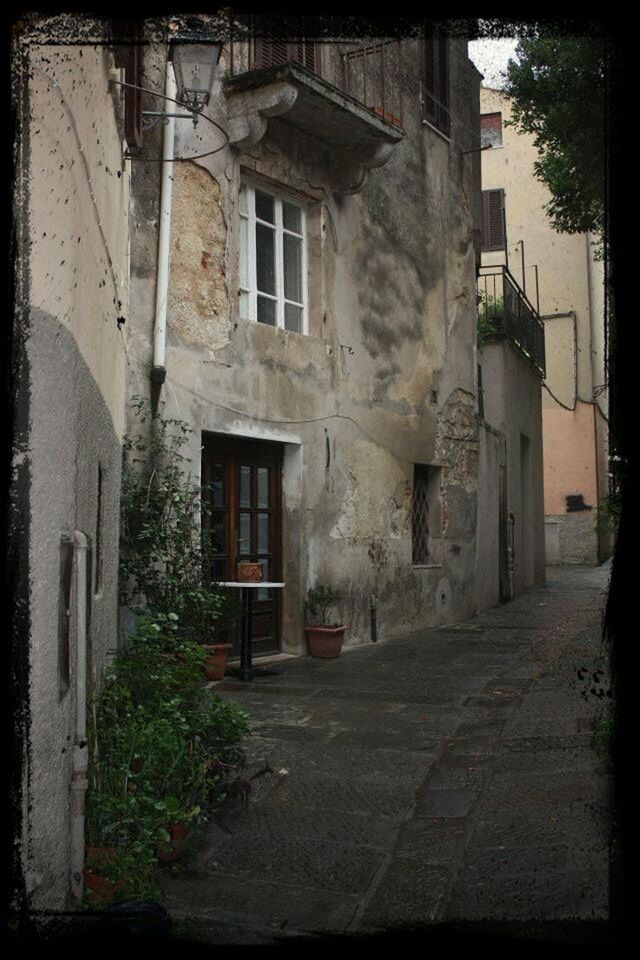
[[194, 65]]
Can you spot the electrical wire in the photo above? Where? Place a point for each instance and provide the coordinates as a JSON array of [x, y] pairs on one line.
[[253, 416]]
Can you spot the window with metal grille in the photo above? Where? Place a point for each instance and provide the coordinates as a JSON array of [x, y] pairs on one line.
[[436, 83], [425, 513], [493, 230], [273, 259], [491, 130]]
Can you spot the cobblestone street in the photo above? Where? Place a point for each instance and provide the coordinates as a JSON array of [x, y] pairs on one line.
[[448, 776]]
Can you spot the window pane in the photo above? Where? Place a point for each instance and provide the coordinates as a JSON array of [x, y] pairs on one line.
[[266, 311], [293, 318], [265, 259], [291, 217], [263, 533], [218, 485], [243, 198], [263, 487], [244, 248], [245, 486], [292, 257], [244, 542], [218, 534], [264, 206]]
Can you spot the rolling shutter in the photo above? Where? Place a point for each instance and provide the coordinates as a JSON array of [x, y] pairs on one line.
[[493, 220]]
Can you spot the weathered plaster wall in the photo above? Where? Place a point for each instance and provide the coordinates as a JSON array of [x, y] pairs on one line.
[[72, 432], [387, 372], [492, 454], [512, 405], [571, 465], [569, 453], [71, 394]]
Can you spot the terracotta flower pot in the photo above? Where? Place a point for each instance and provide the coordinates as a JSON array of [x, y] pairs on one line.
[[249, 572], [216, 662], [179, 833], [325, 641], [99, 888]]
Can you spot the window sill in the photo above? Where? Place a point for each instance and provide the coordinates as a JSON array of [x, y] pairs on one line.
[[426, 123], [271, 326]]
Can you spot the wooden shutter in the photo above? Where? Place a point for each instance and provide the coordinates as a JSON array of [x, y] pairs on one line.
[[128, 53], [493, 220], [443, 85], [430, 108], [436, 82], [272, 50]]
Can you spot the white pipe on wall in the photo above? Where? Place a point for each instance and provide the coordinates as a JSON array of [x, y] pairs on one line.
[[162, 276], [79, 780]]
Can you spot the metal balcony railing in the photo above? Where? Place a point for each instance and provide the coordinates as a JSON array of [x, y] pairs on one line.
[[504, 310], [367, 71]]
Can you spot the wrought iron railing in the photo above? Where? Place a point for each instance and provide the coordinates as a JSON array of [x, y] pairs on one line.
[[504, 310], [368, 71]]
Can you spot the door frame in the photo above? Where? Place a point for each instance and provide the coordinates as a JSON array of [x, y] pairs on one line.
[[232, 450]]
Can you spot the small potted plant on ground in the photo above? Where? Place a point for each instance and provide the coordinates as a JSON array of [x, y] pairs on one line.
[[323, 638]]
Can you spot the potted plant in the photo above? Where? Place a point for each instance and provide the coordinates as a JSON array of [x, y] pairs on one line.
[[324, 639]]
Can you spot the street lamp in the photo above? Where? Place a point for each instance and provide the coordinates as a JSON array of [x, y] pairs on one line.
[[194, 65]]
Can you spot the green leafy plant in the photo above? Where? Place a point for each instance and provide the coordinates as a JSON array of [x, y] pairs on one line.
[[166, 543], [162, 749], [490, 316], [609, 510], [320, 600], [557, 87]]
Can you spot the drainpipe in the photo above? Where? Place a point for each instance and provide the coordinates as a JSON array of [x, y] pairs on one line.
[[158, 372], [79, 780], [374, 621]]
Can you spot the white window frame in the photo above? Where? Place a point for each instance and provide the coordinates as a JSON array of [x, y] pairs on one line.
[[248, 285]]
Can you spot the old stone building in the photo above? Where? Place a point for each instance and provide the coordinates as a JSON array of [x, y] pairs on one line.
[[319, 335]]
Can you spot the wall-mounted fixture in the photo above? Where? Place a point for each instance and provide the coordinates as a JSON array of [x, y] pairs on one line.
[[194, 65]]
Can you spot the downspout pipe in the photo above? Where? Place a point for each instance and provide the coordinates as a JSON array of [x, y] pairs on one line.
[[79, 781], [158, 371]]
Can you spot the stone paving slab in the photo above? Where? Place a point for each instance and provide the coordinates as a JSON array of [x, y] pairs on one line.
[[446, 776]]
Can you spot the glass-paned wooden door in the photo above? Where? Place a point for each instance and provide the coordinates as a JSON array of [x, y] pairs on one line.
[[243, 482]]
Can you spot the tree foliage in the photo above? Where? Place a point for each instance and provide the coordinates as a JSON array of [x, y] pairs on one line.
[[558, 88]]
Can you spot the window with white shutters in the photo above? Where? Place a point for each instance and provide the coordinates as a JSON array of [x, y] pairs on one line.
[[273, 259], [493, 234]]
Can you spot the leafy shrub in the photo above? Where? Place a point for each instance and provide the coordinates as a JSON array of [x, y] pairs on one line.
[[165, 543], [320, 600], [162, 748], [490, 315]]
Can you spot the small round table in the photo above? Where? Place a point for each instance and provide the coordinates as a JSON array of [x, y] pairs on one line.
[[246, 672]]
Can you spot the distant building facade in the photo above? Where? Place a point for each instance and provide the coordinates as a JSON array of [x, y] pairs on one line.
[[565, 283]]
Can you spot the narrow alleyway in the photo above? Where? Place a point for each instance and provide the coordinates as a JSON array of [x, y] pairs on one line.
[[446, 776]]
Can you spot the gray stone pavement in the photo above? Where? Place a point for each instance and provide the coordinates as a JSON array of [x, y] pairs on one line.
[[443, 777]]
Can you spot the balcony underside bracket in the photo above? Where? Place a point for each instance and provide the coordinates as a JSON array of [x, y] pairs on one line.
[[358, 140]]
